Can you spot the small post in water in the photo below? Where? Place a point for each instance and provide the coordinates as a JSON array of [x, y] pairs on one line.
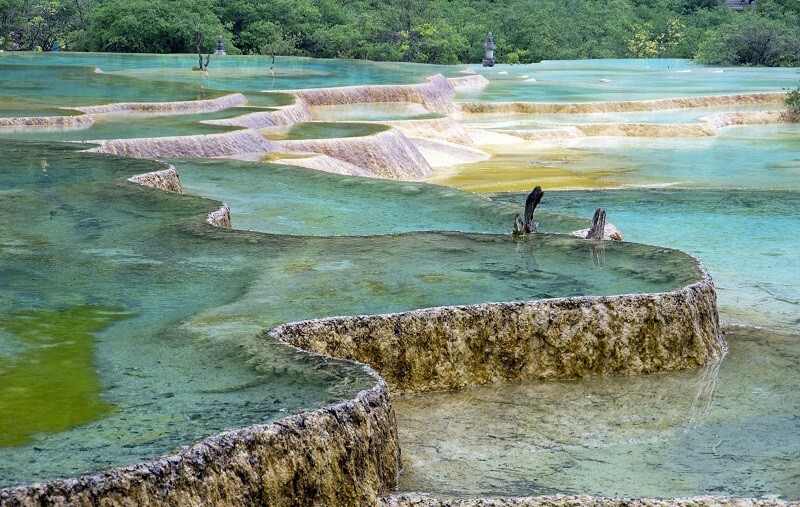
[[597, 230]]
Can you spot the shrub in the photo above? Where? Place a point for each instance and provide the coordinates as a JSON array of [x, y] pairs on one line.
[[793, 101], [752, 40]]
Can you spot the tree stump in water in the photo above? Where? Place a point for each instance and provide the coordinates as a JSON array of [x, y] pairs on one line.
[[597, 230], [533, 200], [519, 227]]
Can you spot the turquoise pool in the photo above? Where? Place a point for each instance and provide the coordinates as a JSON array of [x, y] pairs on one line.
[[129, 328]]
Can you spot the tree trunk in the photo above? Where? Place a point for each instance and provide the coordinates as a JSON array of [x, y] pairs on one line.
[[533, 200], [597, 231]]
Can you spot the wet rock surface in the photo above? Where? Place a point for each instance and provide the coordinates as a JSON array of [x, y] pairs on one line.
[[457, 346], [343, 454]]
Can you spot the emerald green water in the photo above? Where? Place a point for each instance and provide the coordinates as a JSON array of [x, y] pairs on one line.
[[129, 328], [173, 356], [264, 197]]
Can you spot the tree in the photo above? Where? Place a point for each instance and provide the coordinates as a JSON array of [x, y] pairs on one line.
[[265, 37], [139, 26], [752, 40], [645, 43], [38, 24]]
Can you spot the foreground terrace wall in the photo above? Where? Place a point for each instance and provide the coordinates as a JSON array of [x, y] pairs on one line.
[[167, 179], [457, 346], [623, 106], [443, 129], [343, 454]]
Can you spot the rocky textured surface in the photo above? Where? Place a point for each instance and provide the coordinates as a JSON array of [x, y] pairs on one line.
[[544, 134], [46, 121], [443, 153], [167, 179], [647, 129], [434, 95], [232, 100], [387, 154], [343, 454], [618, 107], [442, 129], [457, 346], [287, 115], [578, 501], [721, 120], [326, 164], [221, 217], [471, 80], [710, 127], [199, 146]]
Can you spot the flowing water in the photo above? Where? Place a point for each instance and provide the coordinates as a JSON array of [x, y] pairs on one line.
[[129, 328]]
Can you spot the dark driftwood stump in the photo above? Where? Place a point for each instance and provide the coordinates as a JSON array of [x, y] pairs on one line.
[[598, 225], [533, 200]]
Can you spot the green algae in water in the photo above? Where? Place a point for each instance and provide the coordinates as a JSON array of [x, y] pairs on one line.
[[188, 362], [51, 385]]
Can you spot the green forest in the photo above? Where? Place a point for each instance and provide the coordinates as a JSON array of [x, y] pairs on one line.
[[425, 31]]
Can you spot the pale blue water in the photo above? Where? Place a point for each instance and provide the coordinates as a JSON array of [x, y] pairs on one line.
[[265, 198], [743, 236], [185, 362], [726, 429], [763, 157], [580, 81], [76, 234]]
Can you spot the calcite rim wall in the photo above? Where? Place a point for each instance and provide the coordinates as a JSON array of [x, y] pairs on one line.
[[622, 106], [342, 454], [450, 347], [355, 440]]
